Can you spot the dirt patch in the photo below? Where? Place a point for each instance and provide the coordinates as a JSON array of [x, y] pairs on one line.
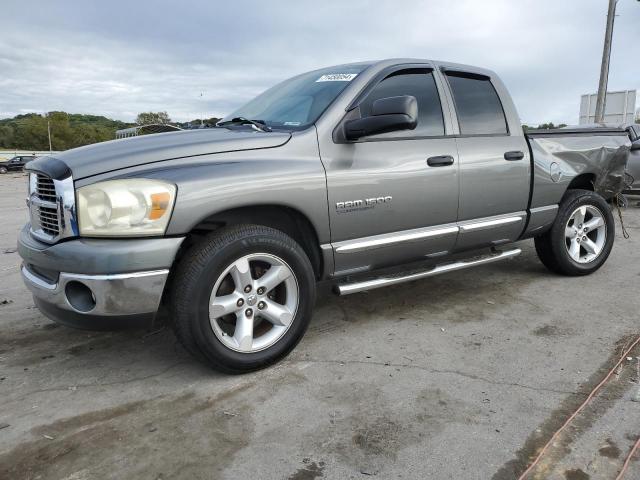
[[377, 437], [310, 471], [27, 347], [610, 449], [35, 335], [612, 390], [550, 331], [51, 326], [79, 349], [132, 434], [576, 474], [547, 331], [369, 435]]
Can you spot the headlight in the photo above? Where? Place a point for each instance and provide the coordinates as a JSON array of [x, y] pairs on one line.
[[129, 207]]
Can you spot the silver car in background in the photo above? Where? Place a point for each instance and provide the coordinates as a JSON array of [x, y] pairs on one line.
[[633, 163]]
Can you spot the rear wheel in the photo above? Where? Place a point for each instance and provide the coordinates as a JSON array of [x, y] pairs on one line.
[[242, 298], [581, 238]]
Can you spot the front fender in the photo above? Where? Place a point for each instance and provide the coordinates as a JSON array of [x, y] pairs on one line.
[[206, 190]]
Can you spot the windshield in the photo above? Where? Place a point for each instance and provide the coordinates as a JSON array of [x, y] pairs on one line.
[[298, 102]]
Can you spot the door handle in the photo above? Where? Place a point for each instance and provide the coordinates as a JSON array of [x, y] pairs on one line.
[[514, 155], [440, 161]]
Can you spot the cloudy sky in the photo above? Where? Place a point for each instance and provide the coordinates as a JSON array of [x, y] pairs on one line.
[[118, 58]]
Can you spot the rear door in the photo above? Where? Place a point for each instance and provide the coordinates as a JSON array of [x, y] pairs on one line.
[[494, 164], [387, 204]]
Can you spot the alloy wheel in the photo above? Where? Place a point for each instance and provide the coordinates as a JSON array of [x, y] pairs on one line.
[[253, 302], [585, 234]]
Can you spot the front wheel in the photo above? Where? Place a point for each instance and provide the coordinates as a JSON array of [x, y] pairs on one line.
[[581, 237], [242, 298], [3, 170]]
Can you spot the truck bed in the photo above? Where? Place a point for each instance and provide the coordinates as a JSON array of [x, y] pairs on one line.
[[591, 154]]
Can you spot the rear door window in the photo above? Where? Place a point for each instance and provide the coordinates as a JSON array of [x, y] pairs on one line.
[[477, 104]]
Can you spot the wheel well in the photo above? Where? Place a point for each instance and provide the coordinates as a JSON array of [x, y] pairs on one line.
[[583, 181], [286, 219]]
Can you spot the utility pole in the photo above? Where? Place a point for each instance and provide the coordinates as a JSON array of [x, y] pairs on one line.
[[49, 132], [202, 118], [604, 69]]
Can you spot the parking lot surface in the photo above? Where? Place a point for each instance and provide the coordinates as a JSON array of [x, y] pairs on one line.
[[462, 376]]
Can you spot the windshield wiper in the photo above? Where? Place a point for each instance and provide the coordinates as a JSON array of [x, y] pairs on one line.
[[259, 124]]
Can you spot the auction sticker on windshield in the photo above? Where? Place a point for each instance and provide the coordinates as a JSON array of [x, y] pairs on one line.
[[337, 77]]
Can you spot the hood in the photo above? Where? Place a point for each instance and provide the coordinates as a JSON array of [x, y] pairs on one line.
[[117, 154]]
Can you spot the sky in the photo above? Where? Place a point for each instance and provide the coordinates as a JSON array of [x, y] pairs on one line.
[[198, 59]]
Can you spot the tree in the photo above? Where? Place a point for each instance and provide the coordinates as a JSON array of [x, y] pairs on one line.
[[62, 136], [29, 132], [148, 118], [6, 136], [544, 126], [211, 121]]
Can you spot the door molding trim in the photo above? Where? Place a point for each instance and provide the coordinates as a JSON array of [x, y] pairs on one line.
[[386, 239], [487, 223]]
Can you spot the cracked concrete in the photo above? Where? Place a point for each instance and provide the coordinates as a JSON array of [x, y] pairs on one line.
[[462, 376]]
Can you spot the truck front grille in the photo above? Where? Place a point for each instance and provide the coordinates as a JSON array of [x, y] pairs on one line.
[[49, 221], [45, 189], [46, 222]]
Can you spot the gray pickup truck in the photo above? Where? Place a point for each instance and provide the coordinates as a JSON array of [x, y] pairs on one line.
[[363, 175]]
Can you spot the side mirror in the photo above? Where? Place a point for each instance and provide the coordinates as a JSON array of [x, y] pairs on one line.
[[635, 146], [387, 115]]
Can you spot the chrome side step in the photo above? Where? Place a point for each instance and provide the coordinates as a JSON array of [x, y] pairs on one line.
[[348, 288]]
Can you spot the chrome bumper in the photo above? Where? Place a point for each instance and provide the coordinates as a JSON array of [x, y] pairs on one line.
[[100, 295]]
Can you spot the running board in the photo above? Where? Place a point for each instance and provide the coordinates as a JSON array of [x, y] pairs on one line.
[[348, 288]]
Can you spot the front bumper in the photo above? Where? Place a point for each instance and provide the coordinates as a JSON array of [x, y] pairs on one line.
[[97, 284]]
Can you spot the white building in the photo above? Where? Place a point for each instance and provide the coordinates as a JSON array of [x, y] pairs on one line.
[[620, 107]]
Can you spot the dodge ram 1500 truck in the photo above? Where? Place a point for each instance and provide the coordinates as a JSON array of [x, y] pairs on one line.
[[365, 175]]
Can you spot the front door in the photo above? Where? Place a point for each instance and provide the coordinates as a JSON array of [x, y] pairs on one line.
[[393, 197]]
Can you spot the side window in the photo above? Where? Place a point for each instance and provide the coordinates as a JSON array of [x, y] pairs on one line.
[[418, 83], [477, 104]]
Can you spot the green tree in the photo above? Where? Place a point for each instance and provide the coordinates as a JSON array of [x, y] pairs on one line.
[[6, 136], [544, 126], [29, 132], [147, 118], [62, 136]]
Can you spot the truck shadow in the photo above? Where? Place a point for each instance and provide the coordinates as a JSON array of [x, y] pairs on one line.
[[465, 296]]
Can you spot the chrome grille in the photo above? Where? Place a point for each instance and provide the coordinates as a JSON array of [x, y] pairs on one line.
[[49, 221], [46, 221], [45, 188]]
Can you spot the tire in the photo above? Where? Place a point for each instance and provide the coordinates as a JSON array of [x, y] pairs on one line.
[[211, 272], [566, 248], [3, 170]]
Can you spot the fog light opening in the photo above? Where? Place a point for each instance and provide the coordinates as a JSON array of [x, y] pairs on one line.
[[80, 297]]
